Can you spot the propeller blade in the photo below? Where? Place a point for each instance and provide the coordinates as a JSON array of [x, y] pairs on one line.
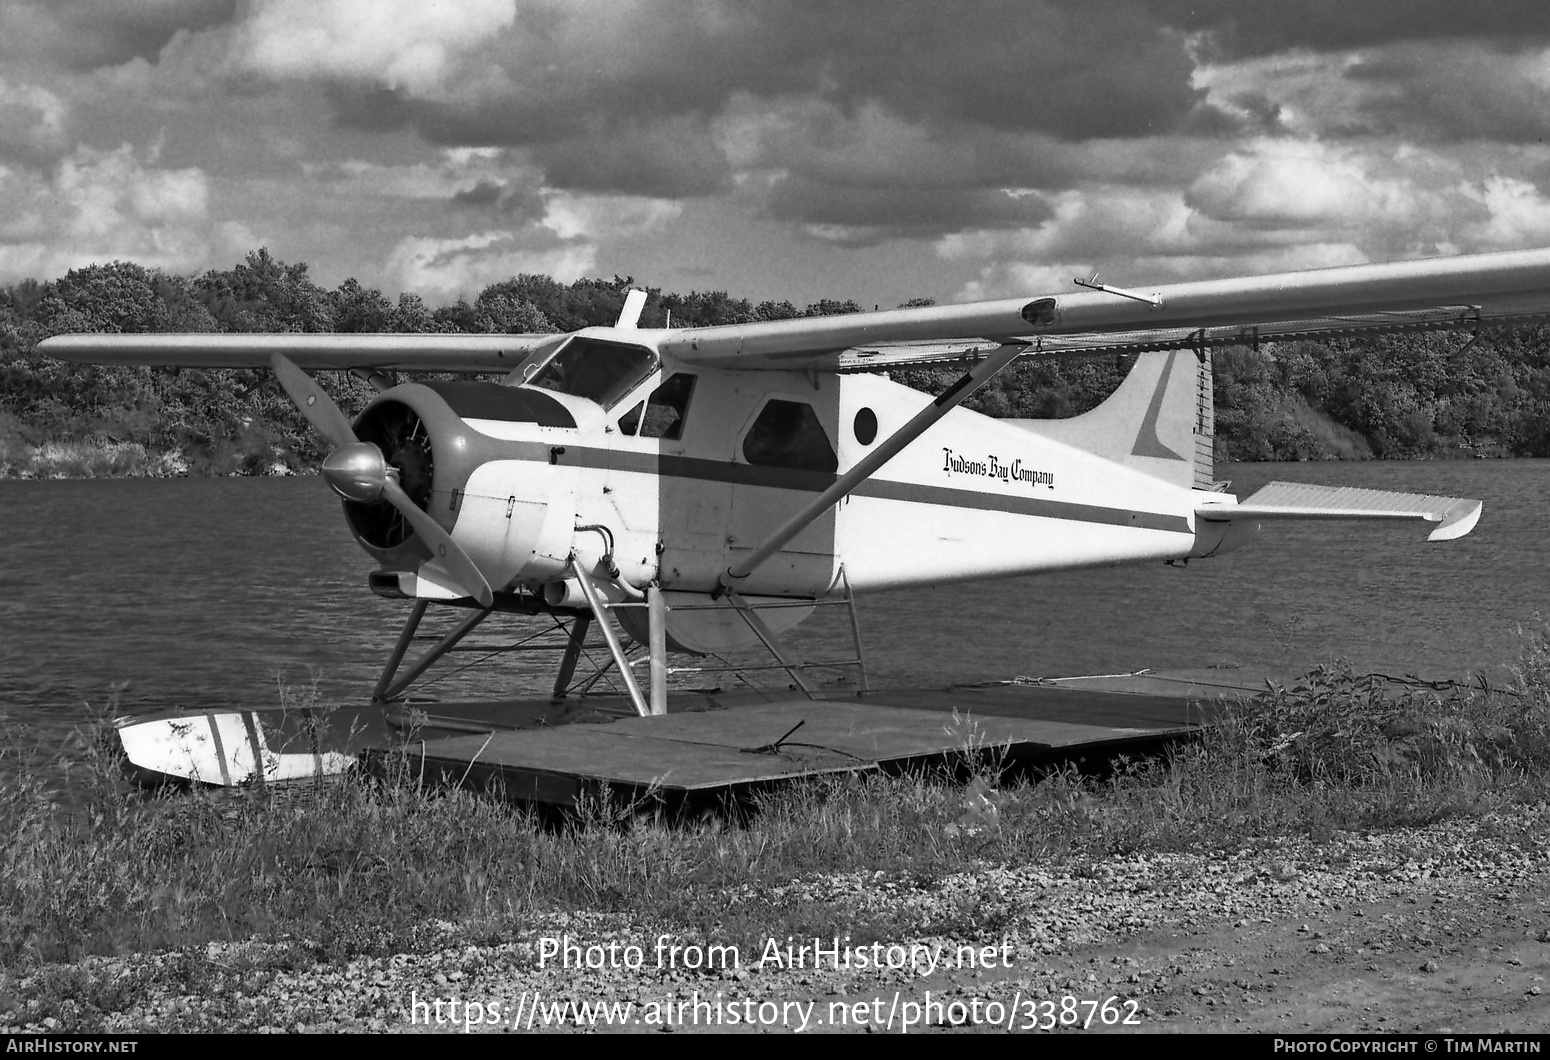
[[327, 419], [469, 579], [313, 401]]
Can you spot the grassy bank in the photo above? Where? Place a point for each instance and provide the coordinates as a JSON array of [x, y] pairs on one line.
[[371, 867]]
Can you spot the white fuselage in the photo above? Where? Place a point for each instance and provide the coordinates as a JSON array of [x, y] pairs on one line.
[[973, 497]]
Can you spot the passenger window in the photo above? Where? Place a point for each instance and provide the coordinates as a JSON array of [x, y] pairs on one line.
[[788, 434], [665, 410], [631, 420]]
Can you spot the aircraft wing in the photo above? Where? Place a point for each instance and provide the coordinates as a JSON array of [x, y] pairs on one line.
[[882, 355], [1456, 516], [1466, 291], [1471, 290], [433, 352]]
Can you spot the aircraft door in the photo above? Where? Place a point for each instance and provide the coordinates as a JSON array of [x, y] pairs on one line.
[[786, 455], [669, 436]]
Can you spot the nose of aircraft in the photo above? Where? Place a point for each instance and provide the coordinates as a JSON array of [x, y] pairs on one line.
[[360, 473], [357, 472]]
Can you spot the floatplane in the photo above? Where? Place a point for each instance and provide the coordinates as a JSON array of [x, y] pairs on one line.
[[703, 489]]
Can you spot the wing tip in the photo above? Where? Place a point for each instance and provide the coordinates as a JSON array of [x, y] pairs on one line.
[[1458, 521]]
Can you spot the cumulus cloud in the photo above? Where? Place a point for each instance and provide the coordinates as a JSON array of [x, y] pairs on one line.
[[1464, 90], [636, 98], [1431, 91], [405, 44], [572, 216], [451, 173], [495, 184], [1392, 201], [511, 201], [1011, 143], [1299, 92], [446, 269], [1276, 184], [861, 215], [867, 176], [33, 124], [1076, 70], [1245, 29], [1086, 226], [540, 229], [562, 243], [1011, 279], [675, 157], [1517, 215], [102, 205], [1271, 205], [84, 34]]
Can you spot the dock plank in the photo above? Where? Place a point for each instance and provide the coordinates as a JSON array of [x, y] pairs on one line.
[[706, 750], [613, 754]]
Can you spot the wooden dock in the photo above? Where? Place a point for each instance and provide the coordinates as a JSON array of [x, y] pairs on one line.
[[728, 744]]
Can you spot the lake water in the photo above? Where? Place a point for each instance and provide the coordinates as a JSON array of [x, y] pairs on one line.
[[206, 592]]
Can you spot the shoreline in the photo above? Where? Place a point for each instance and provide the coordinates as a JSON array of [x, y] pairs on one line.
[[122, 460]]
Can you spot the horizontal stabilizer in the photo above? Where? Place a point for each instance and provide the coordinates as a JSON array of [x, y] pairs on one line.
[[1297, 500]]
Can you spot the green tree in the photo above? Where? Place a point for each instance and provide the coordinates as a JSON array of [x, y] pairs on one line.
[[497, 311], [265, 294]]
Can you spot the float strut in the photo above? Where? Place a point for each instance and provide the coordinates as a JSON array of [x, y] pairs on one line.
[[405, 638], [595, 600], [573, 647], [656, 618], [441, 647], [855, 629], [767, 635]]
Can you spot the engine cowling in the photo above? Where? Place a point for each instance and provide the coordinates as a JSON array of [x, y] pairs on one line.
[[504, 502]]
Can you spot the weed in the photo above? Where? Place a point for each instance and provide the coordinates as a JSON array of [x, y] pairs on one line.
[[384, 862]]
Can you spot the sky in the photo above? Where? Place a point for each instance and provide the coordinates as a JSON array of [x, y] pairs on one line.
[[874, 150]]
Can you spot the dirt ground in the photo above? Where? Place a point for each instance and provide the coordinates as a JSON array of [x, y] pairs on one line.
[[1459, 956], [1441, 929]]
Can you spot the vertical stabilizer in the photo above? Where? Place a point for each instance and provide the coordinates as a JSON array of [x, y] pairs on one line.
[[1160, 421]]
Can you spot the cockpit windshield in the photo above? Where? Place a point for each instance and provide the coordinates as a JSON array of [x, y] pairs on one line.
[[597, 370]]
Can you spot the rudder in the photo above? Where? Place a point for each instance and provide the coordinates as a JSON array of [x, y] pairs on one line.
[[1161, 420]]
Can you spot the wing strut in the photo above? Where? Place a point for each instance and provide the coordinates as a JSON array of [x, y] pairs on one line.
[[868, 465]]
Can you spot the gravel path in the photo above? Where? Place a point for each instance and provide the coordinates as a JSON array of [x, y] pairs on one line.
[[1439, 928]]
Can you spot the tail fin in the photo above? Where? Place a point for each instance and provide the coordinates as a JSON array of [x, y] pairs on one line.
[[1160, 421]]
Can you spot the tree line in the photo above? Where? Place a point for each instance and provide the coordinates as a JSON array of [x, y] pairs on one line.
[[1426, 395]]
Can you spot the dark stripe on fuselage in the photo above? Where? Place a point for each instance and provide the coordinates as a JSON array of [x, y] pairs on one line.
[[883, 489], [698, 468]]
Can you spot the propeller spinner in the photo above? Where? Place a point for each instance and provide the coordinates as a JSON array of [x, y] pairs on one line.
[[358, 471]]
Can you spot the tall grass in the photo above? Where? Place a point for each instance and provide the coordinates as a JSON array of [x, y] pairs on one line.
[[367, 865]]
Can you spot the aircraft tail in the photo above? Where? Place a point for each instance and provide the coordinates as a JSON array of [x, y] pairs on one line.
[[1160, 421]]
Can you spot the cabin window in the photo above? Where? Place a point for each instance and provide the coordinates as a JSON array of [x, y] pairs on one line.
[[597, 370], [664, 410], [866, 426], [788, 434]]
